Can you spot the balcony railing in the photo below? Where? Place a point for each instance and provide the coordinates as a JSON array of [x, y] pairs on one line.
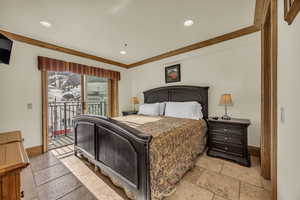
[[62, 113]]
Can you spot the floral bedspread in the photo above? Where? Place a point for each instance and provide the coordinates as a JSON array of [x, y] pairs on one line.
[[175, 145]]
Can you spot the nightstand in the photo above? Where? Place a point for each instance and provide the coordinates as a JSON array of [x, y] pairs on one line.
[[131, 112], [228, 139]]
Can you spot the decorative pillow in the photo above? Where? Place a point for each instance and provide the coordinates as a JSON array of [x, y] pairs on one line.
[[189, 110], [152, 109], [162, 107]]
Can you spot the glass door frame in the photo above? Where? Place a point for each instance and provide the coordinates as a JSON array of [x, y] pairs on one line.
[[84, 94], [45, 120]]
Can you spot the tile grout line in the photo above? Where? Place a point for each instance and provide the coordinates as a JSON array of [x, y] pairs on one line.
[[219, 173], [222, 167], [54, 179], [207, 189], [46, 167], [72, 191], [242, 181], [32, 173], [68, 173], [34, 176], [213, 197], [239, 179]]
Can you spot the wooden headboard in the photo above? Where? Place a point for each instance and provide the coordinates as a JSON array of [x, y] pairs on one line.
[[179, 93]]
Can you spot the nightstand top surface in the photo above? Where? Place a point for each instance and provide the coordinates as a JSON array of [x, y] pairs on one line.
[[232, 121]]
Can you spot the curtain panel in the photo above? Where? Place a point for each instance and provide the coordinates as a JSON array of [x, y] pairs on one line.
[[113, 104], [49, 64]]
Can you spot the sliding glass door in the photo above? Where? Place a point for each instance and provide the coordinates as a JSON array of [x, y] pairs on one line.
[[96, 95], [70, 95], [64, 103]]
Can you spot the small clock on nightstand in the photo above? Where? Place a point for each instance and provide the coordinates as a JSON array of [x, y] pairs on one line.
[[131, 112], [228, 139]]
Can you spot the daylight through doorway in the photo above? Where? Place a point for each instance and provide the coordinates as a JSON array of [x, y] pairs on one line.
[[64, 103], [70, 95]]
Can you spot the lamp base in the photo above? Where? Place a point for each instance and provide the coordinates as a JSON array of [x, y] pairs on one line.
[[226, 117], [134, 108]]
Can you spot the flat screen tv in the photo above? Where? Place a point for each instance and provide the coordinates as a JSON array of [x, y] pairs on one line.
[[5, 49]]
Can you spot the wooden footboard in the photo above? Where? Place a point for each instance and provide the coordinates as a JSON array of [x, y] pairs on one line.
[[119, 150]]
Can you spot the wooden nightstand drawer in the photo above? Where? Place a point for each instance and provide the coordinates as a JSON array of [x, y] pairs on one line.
[[226, 148], [224, 128], [226, 138]]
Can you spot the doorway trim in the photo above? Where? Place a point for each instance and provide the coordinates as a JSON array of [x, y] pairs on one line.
[[266, 98], [45, 120], [45, 110], [274, 55], [112, 104], [269, 53]]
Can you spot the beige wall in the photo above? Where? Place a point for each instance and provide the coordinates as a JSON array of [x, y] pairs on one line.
[[20, 84], [289, 99], [232, 66]]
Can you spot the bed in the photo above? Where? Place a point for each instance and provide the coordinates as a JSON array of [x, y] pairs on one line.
[[146, 156]]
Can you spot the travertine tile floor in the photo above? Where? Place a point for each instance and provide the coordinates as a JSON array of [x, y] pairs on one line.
[[74, 179], [48, 179], [98, 185], [211, 179], [218, 179]]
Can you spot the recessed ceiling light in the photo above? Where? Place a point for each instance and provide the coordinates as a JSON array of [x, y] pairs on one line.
[[188, 22], [46, 24], [123, 52]]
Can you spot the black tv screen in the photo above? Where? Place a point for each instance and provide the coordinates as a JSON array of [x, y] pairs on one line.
[[5, 49]]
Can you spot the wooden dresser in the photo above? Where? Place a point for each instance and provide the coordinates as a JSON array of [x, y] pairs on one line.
[[13, 159], [228, 139]]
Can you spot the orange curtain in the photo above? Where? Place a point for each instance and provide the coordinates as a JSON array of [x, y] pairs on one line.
[[113, 103], [45, 110], [49, 64]]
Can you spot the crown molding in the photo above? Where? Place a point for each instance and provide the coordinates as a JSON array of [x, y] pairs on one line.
[[260, 15], [39, 43], [209, 42]]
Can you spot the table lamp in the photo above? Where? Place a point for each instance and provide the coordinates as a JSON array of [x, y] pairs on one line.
[[226, 100], [134, 101]]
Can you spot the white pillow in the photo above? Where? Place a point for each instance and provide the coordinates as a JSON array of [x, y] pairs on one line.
[[189, 110], [149, 109], [162, 107]]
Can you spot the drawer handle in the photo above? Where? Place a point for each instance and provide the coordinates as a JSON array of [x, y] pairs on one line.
[[226, 148], [226, 138]]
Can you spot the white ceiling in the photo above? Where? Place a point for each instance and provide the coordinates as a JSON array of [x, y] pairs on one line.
[[101, 27]]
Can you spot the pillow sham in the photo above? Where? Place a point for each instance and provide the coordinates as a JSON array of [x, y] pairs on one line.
[[152, 109], [162, 107], [189, 110]]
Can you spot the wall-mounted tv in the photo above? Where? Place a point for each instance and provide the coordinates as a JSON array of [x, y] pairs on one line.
[[5, 49]]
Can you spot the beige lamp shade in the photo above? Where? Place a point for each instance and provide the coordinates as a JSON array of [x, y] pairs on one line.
[[226, 100], [135, 100]]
